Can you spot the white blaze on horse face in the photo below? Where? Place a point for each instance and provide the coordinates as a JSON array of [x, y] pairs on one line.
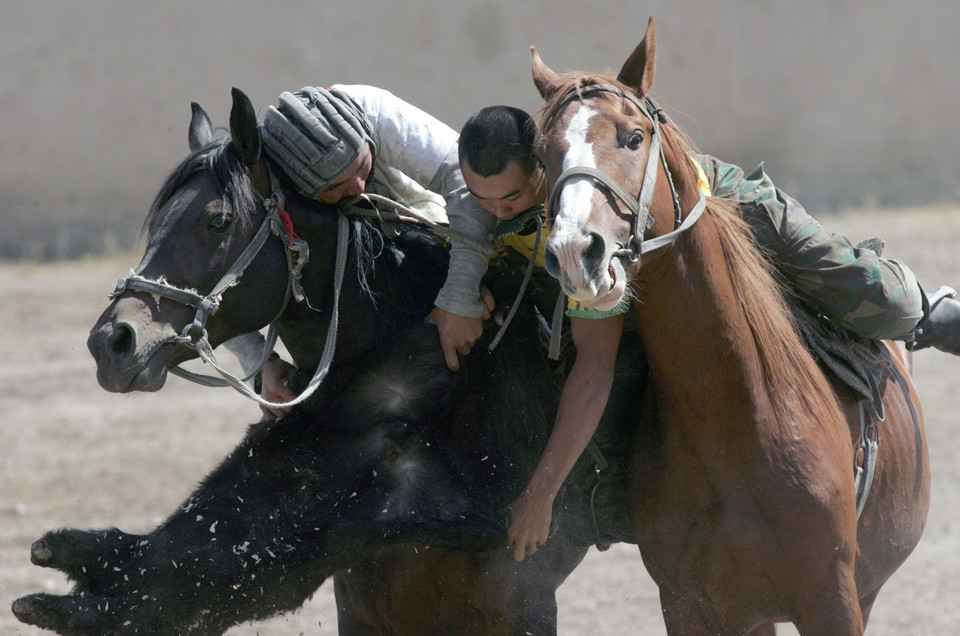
[[576, 195], [574, 206]]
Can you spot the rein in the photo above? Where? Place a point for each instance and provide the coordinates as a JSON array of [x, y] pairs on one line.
[[639, 206], [207, 305], [205, 351]]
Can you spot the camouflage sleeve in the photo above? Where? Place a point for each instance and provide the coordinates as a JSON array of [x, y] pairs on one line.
[[872, 296]]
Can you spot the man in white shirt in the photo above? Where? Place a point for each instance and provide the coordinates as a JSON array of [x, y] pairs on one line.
[[339, 142]]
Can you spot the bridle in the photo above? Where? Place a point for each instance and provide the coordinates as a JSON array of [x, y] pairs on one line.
[[194, 335], [276, 222], [639, 206]]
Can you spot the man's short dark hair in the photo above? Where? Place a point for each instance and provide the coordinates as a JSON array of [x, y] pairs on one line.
[[496, 135]]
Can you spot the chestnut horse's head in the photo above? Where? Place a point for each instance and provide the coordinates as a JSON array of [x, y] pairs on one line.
[[203, 219], [606, 147]]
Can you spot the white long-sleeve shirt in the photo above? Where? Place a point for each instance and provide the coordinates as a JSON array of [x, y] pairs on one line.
[[417, 158]]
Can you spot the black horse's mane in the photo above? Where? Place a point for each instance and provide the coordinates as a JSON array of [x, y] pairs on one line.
[[385, 266]]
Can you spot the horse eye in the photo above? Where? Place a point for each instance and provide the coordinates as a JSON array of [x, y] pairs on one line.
[[219, 223], [635, 141]]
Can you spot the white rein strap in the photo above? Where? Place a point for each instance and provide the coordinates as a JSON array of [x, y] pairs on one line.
[[205, 351]]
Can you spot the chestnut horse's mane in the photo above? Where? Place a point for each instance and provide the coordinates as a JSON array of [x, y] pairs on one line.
[[793, 379]]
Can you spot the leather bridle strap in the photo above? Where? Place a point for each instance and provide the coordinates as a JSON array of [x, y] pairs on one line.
[[195, 335], [206, 305], [639, 206], [205, 351]]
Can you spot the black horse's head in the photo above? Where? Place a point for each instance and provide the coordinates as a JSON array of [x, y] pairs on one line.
[[203, 218]]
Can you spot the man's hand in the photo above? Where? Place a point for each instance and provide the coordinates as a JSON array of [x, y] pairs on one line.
[[275, 377], [528, 523], [457, 333]]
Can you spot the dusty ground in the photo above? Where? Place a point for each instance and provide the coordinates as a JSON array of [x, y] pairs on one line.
[[73, 455]]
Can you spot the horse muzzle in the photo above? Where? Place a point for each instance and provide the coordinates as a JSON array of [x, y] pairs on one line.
[[586, 270], [132, 352]]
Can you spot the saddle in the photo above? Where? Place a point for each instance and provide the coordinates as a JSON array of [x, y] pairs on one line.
[[862, 364]]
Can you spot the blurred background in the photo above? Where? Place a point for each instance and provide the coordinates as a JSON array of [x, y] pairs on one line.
[[849, 103]]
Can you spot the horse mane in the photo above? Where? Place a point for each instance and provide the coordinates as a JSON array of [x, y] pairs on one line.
[[233, 182], [408, 269], [376, 256], [793, 379]]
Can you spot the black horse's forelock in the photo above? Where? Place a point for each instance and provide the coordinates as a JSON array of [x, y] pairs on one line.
[[229, 173]]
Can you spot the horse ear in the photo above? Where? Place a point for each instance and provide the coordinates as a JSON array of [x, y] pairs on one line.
[[201, 130], [243, 128], [546, 80], [641, 67]]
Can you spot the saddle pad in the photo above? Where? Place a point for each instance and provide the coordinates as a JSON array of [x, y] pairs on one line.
[[860, 363]]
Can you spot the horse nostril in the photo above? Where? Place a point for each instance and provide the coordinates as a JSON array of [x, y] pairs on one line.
[[121, 340], [593, 252], [551, 261]]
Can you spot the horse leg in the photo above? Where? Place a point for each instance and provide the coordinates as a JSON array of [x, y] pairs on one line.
[[205, 567], [256, 538], [834, 608], [405, 592], [539, 577], [683, 618], [408, 590], [866, 605]]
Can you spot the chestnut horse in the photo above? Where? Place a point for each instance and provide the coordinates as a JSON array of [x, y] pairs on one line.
[[742, 477]]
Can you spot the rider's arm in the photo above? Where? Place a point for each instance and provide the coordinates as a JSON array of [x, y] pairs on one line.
[[582, 403], [425, 149], [468, 258], [459, 311]]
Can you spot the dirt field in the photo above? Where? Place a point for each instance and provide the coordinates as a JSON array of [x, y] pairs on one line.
[[74, 455]]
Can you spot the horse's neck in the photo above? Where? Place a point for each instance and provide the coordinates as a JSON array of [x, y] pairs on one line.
[[704, 360], [303, 325], [363, 319]]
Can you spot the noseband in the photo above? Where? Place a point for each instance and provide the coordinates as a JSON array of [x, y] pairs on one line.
[[639, 206]]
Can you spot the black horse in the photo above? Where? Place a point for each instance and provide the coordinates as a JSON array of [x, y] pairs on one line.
[[390, 478]]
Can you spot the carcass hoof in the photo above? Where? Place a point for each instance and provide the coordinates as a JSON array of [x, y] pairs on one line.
[[41, 553]]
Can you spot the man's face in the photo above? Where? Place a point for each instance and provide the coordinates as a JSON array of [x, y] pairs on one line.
[[353, 181], [507, 194]]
